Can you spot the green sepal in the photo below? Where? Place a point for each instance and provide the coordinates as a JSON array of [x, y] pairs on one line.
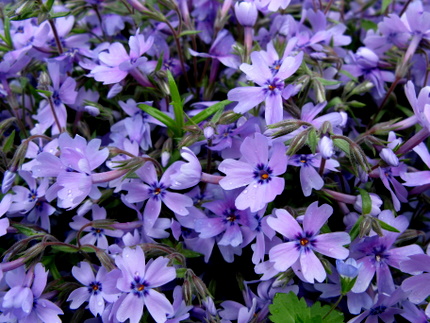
[[65, 248], [366, 201], [189, 32], [386, 226], [355, 230], [9, 142]]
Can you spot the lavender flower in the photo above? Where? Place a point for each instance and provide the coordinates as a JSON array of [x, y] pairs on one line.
[[299, 250], [93, 290], [137, 281], [270, 86], [256, 171]]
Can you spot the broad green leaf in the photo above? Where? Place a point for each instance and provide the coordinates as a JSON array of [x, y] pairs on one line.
[[176, 102], [160, 116], [287, 308], [321, 311], [366, 201], [387, 227], [203, 115]]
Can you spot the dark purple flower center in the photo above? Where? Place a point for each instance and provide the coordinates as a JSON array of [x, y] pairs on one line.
[[20, 30], [274, 86], [32, 196], [275, 66], [303, 159], [139, 286], [56, 98], [94, 287], [231, 215], [262, 173], [379, 253], [157, 191], [378, 310], [305, 241], [97, 232]]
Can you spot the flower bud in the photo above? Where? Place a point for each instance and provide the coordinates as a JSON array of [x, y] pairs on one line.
[[376, 204], [8, 180], [325, 147], [389, 157], [348, 271], [44, 81], [246, 13], [209, 131]]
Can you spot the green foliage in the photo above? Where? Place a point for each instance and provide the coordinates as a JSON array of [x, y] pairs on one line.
[[366, 201], [288, 308]]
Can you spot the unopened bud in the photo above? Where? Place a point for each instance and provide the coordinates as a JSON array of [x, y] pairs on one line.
[[376, 226], [365, 226], [44, 81], [209, 131], [325, 147], [188, 140], [105, 260], [389, 157], [246, 13], [8, 180], [229, 117], [358, 157], [364, 87], [166, 152], [298, 142]]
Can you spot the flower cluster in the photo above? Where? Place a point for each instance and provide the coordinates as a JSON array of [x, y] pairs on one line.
[[190, 160]]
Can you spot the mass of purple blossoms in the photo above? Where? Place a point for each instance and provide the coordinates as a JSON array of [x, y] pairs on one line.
[[191, 160]]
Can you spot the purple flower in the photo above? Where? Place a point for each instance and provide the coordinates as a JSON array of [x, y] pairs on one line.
[[270, 86], [155, 191], [376, 254], [93, 290], [96, 235], [257, 171], [24, 301], [73, 169], [137, 281], [419, 285], [246, 12], [117, 63], [299, 250], [32, 200], [227, 221], [309, 177], [63, 92]]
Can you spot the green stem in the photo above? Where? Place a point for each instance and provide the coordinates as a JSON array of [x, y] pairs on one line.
[[333, 307]]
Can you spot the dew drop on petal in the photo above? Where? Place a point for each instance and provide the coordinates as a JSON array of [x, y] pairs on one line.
[[99, 303], [245, 192]]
